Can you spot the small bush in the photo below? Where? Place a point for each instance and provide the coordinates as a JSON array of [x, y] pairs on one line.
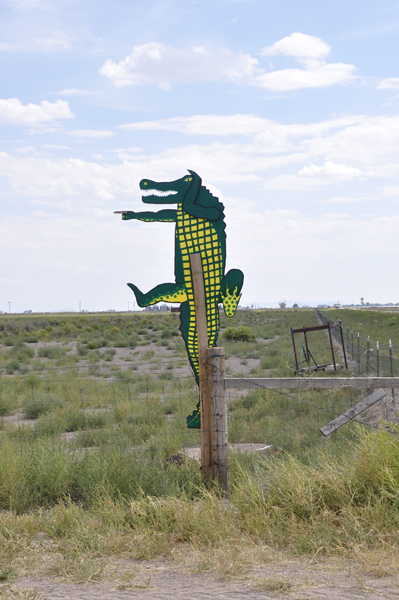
[[239, 334], [108, 355], [37, 407], [82, 351], [92, 345], [31, 339], [52, 352], [12, 366], [132, 342], [121, 343], [268, 362], [5, 407]]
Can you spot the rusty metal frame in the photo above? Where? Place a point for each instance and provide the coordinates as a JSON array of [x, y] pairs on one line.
[[308, 354]]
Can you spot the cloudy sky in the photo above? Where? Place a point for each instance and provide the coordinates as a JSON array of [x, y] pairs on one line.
[[289, 111]]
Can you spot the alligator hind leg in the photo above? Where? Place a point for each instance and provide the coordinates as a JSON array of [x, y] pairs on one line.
[[166, 292], [230, 291]]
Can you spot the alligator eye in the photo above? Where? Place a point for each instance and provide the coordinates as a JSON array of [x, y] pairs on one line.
[[188, 179], [145, 183]]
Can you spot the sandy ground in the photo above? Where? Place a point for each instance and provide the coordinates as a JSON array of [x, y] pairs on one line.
[[159, 580], [138, 358]]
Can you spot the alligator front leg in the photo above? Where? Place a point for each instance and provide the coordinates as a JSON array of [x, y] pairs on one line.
[[165, 292], [162, 216]]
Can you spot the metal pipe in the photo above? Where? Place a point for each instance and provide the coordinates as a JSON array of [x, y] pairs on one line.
[[378, 358], [293, 345], [332, 347], [343, 345]]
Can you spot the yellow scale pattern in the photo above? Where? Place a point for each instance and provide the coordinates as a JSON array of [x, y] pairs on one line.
[[199, 235]]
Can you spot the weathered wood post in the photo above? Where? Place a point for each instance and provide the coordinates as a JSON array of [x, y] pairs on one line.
[[202, 334], [214, 446], [219, 433]]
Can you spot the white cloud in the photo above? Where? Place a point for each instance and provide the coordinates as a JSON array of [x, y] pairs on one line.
[[26, 5], [349, 150], [309, 51], [74, 92], [158, 64], [56, 147], [367, 140], [346, 199], [28, 150], [206, 125], [12, 111], [130, 149], [58, 41], [92, 133], [299, 45], [316, 74], [389, 84], [391, 190], [331, 170]]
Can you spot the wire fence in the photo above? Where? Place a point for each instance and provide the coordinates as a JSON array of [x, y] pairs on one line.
[[147, 413], [367, 357]]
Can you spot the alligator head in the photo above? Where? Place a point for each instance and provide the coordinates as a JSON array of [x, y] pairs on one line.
[[197, 201], [166, 192]]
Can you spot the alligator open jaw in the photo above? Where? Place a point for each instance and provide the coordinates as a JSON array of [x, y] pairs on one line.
[[159, 193]]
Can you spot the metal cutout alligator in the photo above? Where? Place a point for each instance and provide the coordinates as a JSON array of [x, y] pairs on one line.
[[200, 227]]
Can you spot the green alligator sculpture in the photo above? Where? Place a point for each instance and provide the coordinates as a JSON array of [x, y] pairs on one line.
[[200, 227]]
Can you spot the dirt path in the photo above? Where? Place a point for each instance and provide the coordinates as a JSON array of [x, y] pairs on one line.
[[296, 580]]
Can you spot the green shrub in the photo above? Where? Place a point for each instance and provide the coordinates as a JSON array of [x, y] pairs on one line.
[[92, 345], [108, 355], [268, 362], [31, 339], [5, 407], [132, 342], [37, 407], [52, 352], [121, 343], [239, 334], [12, 366], [82, 350]]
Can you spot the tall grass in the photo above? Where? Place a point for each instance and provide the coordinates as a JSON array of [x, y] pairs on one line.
[[113, 504]]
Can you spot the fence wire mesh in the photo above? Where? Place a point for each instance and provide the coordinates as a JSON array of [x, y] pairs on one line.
[[367, 357], [146, 414]]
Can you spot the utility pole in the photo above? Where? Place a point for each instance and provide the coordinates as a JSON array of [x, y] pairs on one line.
[[9, 306], [80, 306], [128, 306]]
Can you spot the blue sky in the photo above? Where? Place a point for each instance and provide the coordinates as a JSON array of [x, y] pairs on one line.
[[288, 111]]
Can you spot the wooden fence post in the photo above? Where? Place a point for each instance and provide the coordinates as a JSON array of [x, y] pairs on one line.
[[214, 446], [202, 336], [218, 421]]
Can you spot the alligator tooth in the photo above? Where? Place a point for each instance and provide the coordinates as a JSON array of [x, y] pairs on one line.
[[158, 193]]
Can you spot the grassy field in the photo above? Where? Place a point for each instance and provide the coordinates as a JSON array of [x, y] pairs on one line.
[[99, 382], [381, 326], [92, 439]]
